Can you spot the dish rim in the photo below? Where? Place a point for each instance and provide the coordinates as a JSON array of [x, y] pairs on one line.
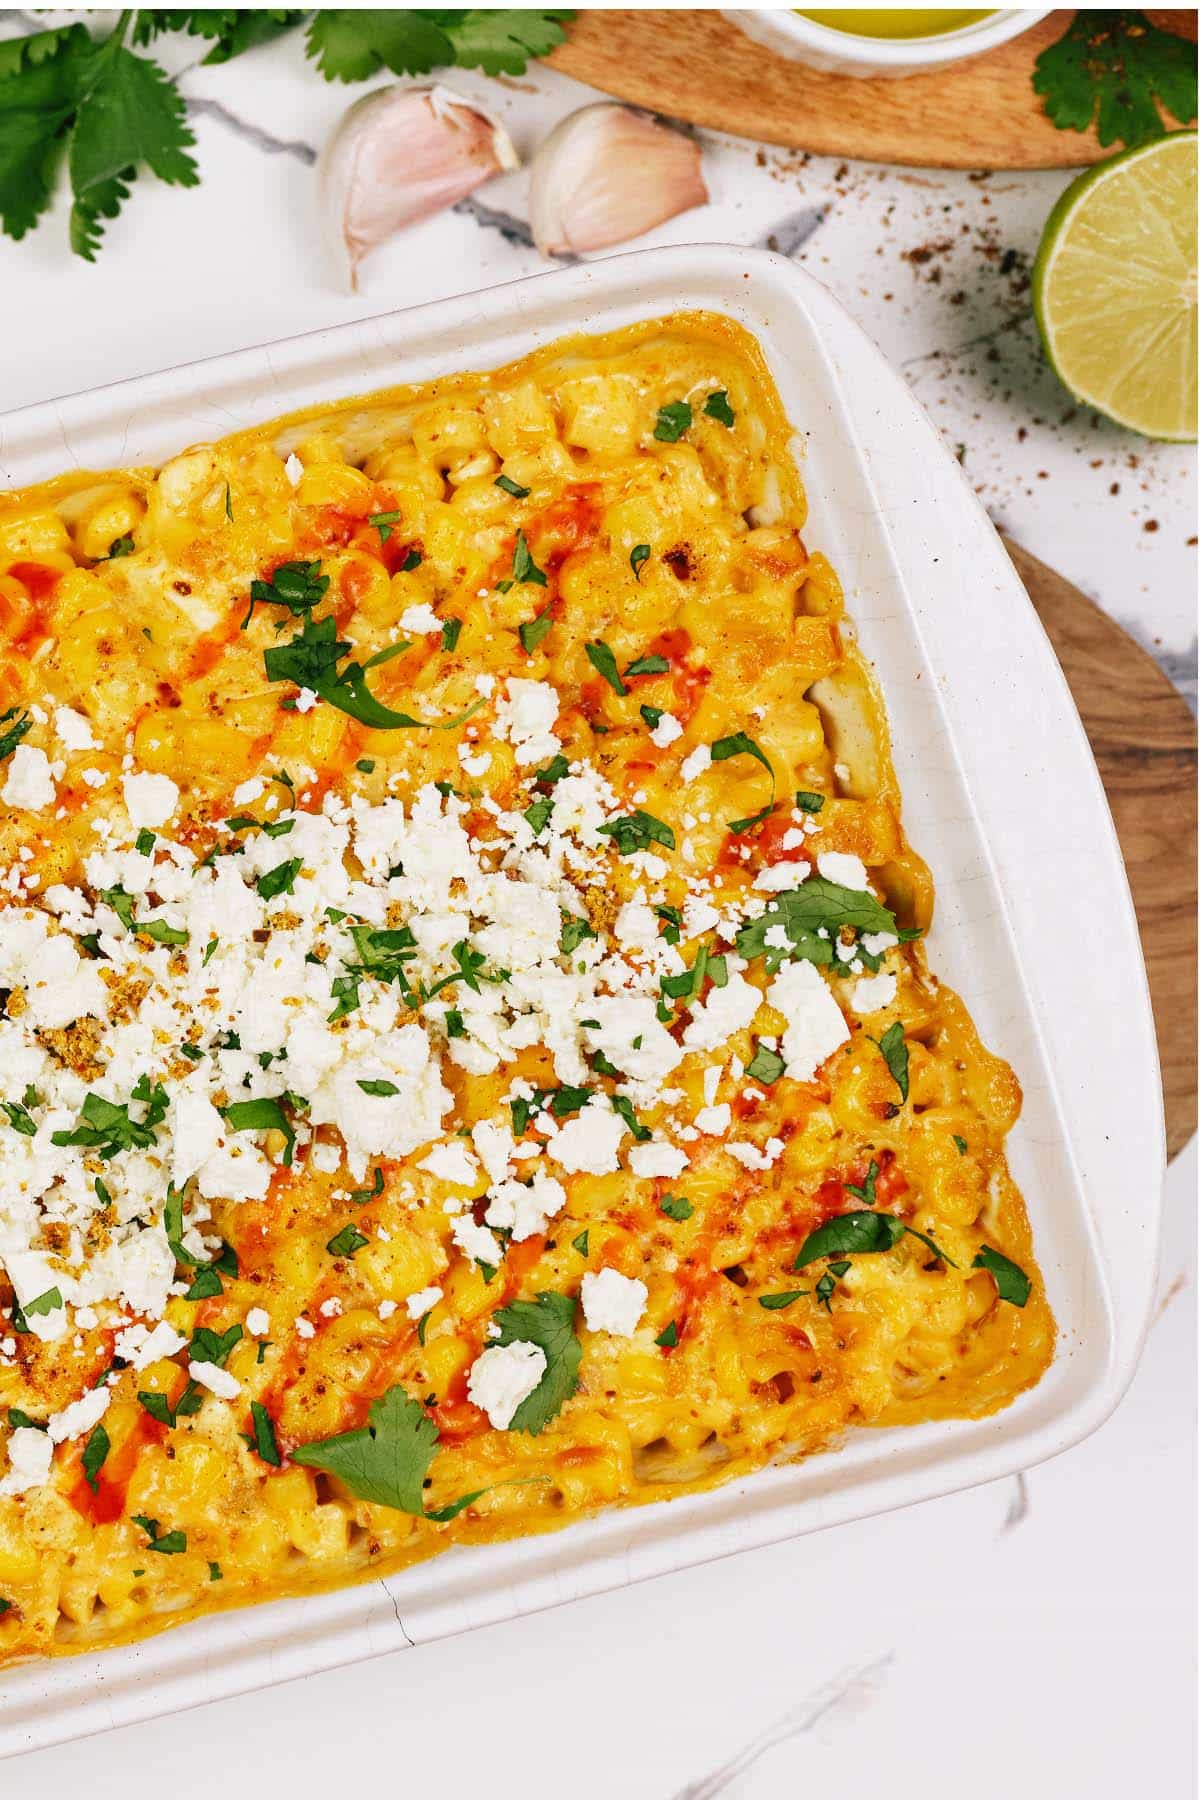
[[231, 1652]]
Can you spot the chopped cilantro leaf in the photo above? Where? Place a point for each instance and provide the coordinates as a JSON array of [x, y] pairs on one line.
[[673, 420]]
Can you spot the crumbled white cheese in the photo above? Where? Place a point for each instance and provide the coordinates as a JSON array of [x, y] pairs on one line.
[[503, 1377], [666, 731], [781, 877], [815, 1026], [694, 765], [258, 1321], [28, 783], [713, 1121], [419, 1304], [847, 871], [613, 1302], [30, 1453], [217, 1380], [525, 1210], [420, 618], [871, 992], [650, 1161], [149, 799], [588, 1143], [526, 716], [451, 1162], [81, 1416], [141, 1347], [74, 732]]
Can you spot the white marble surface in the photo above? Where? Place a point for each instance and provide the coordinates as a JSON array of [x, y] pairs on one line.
[[1034, 1636]]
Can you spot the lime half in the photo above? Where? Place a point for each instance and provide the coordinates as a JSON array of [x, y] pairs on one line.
[[1114, 288]]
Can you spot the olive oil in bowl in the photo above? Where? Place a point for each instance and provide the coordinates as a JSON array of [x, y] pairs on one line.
[[896, 22]]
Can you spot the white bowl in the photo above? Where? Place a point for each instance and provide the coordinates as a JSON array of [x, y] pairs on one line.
[[843, 53], [1000, 792]]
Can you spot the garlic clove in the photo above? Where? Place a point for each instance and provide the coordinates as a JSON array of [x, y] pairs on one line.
[[606, 174], [399, 155]]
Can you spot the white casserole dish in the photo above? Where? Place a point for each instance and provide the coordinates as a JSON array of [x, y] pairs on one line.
[[1034, 926]]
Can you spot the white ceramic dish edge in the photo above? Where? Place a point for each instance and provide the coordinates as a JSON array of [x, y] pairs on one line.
[[997, 775], [820, 47]]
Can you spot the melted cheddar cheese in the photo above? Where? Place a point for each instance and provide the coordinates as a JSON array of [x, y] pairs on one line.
[[465, 1091]]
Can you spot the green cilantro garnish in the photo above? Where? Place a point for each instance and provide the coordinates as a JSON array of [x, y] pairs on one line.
[[281, 879], [647, 665], [206, 1286], [638, 557], [383, 523], [523, 567], [9, 739], [160, 1408], [346, 1241], [298, 586], [676, 1207], [50, 1301], [108, 1128], [538, 814], [673, 420], [549, 1322], [510, 487], [894, 1051], [144, 842], [739, 826], [19, 1118], [108, 112], [668, 1338], [738, 744], [717, 407], [351, 46], [574, 932], [533, 631], [1012, 1283], [94, 1453], [605, 663], [208, 1346], [387, 1460], [451, 630], [262, 1115], [809, 802], [637, 831], [169, 1543], [777, 1302], [804, 912], [381, 1090], [580, 1243], [1119, 69], [861, 1234], [765, 1065], [960, 1144], [264, 1434]]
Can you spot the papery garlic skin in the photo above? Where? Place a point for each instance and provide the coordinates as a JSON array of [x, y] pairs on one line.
[[399, 155], [607, 174]]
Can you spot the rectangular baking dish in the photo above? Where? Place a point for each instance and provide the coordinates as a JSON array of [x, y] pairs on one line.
[[1034, 926]]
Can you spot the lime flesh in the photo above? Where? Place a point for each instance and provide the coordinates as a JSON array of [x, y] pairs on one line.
[[1114, 288]]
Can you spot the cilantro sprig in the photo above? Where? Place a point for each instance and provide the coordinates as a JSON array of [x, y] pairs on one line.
[[387, 1460], [108, 112], [1119, 70]]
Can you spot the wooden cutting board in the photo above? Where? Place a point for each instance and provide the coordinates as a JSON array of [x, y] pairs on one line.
[[698, 66], [1144, 739]]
